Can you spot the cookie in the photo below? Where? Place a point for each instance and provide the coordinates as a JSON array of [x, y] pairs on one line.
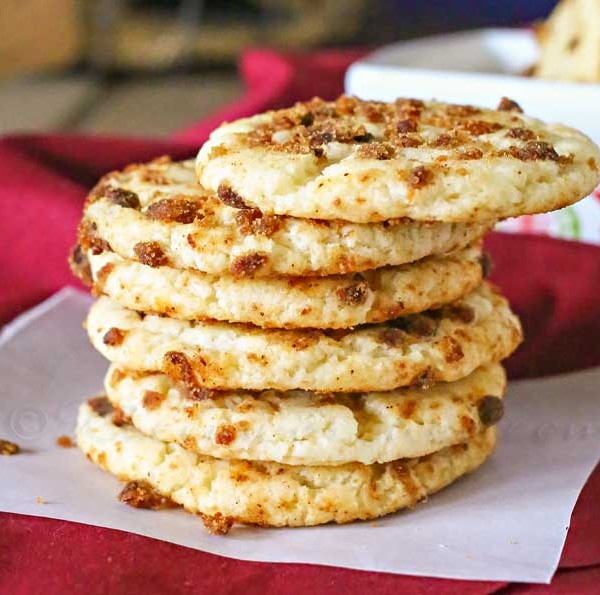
[[365, 161]]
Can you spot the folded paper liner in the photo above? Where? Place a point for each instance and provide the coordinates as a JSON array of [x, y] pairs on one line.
[[506, 522]]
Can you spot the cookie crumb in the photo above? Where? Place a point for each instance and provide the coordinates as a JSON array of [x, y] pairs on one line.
[[140, 494], [9, 448], [217, 524], [65, 442]]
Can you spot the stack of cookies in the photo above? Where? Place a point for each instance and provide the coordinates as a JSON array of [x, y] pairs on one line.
[[298, 324]]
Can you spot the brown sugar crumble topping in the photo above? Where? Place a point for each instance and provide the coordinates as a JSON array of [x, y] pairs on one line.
[[231, 198], [490, 410], [89, 239], [508, 105], [177, 209], [151, 254], [521, 133], [217, 524], [140, 494], [457, 130], [253, 222], [114, 337], [225, 434], [420, 177], [65, 442], [354, 295], [122, 197], [247, 265], [8, 448], [178, 368]]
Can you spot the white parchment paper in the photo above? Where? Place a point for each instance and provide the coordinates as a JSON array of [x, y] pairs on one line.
[[507, 522]]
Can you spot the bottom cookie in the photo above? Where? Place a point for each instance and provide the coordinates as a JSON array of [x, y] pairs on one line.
[[224, 492]]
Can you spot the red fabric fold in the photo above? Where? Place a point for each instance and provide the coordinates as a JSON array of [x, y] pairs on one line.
[[553, 285]]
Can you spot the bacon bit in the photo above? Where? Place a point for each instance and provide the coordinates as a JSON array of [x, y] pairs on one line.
[[225, 434], [479, 127], [8, 448], [247, 265], [80, 265], [217, 524], [521, 133], [381, 151], [65, 442], [253, 222], [140, 494], [407, 125], [485, 260], [231, 198], [177, 209], [419, 177], [114, 337], [354, 295], [508, 105], [151, 254], [152, 399], [101, 406], [392, 337], [122, 197], [490, 410]]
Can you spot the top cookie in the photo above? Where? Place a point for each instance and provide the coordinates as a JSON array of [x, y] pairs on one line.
[[366, 161]]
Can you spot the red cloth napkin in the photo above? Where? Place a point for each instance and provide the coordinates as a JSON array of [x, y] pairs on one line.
[[553, 285]]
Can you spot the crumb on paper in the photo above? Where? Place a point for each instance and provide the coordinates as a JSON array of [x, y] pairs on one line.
[[65, 442], [217, 524], [374, 524], [9, 448], [40, 500], [140, 494]]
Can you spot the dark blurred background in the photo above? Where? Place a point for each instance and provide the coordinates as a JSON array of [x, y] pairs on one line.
[[148, 67]]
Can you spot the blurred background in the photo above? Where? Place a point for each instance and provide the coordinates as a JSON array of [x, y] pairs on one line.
[[149, 67]]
